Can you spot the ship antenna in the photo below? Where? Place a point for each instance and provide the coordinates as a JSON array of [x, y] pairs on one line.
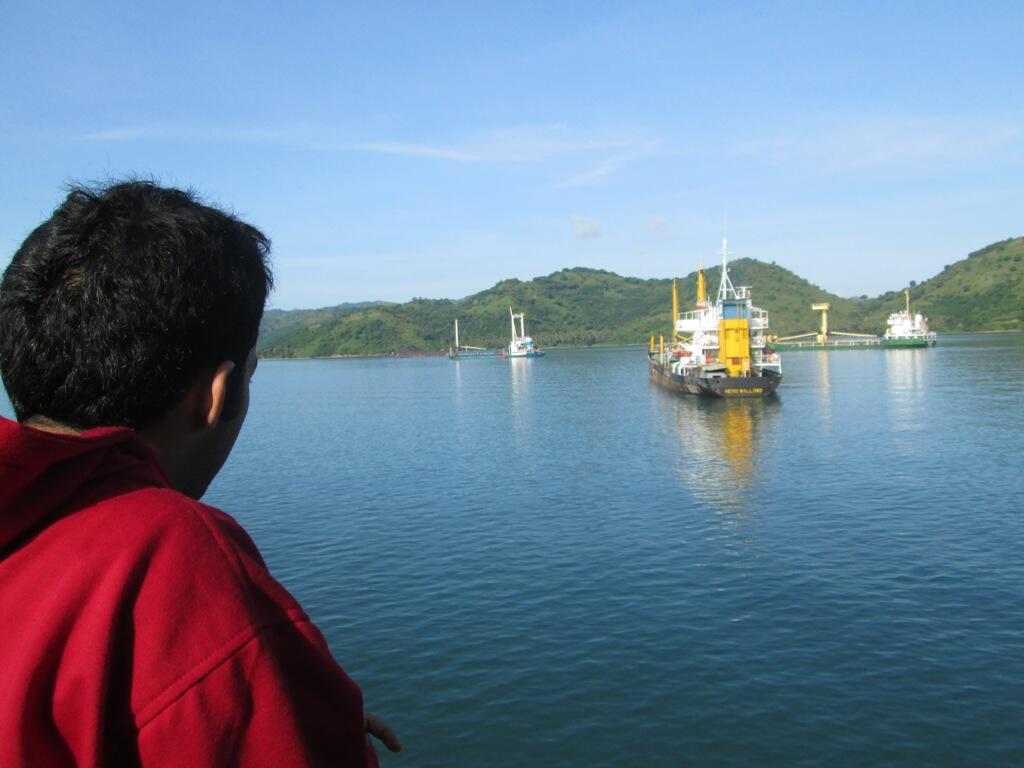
[[725, 287]]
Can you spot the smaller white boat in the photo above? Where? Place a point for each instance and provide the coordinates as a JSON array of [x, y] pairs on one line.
[[521, 345]]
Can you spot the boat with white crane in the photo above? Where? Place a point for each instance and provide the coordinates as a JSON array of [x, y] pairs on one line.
[[521, 345]]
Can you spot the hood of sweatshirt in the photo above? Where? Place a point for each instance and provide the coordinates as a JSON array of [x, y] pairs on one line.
[[44, 475]]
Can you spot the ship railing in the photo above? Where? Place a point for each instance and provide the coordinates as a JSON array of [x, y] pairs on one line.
[[743, 292], [694, 315], [866, 341]]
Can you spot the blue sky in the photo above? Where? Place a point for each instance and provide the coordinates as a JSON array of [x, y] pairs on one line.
[[432, 149]]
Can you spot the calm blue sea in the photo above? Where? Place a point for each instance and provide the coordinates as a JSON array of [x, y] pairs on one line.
[[553, 562]]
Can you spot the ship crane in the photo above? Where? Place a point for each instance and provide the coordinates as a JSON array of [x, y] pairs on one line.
[[458, 349], [821, 336], [462, 346]]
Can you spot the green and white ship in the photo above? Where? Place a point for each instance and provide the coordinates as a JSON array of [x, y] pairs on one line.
[[908, 330], [904, 329]]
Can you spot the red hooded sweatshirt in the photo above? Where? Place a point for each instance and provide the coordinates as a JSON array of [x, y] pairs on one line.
[[138, 626]]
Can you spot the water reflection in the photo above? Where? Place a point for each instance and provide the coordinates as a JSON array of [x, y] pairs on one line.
[[819, 379], [719, 442], [824, 380], [521, 370], [458, 382], [906, 371]]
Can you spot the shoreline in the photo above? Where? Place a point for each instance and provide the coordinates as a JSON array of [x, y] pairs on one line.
[[443, 353]]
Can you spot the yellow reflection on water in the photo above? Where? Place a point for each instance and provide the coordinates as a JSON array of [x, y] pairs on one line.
[[824, 370], [718, 446], [737, 428], [824, 381]]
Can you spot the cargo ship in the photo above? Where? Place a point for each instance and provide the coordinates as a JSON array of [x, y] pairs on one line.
[[719, 348], [463, 351], [904, 329]]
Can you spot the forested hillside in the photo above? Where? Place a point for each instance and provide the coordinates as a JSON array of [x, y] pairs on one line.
[[580, 306]]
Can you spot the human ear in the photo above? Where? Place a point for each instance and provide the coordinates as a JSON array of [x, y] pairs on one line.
[[215, 393]]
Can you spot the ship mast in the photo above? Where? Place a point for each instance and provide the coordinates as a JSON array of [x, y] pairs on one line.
[[675, 309], [725, 287]]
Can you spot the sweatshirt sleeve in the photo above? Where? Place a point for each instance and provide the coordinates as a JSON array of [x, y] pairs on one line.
[[277, 699]]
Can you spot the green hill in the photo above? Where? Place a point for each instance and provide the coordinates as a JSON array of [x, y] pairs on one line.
[[984, 292], [279, 322], [584, 306]]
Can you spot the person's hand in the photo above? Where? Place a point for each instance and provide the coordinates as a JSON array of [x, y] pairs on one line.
[[375, 726]]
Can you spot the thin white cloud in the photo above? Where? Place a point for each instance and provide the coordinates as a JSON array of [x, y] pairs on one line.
[[584, 227], [519, 144], [587, 178], [540, 143], [411, 150], [884, 141], [119, 134], [881, 142], [191, 134]]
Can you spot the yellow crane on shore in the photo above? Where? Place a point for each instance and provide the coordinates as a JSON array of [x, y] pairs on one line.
[[821, 336]]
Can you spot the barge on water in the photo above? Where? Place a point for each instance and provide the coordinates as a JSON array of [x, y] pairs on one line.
[[855, 343], [825, 338], [463, 351], [719, 348]]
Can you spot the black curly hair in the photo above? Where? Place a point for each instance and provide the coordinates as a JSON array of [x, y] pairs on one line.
[[112, 307]]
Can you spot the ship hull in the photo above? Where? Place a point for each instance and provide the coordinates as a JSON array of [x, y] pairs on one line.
[[518, 355], [907, 343], [709, 386], [812, 345], [473, 354]]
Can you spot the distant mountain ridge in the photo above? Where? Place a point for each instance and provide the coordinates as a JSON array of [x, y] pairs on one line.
[[582, 306]]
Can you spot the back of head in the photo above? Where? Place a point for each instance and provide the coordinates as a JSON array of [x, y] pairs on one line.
[[114, 305]]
